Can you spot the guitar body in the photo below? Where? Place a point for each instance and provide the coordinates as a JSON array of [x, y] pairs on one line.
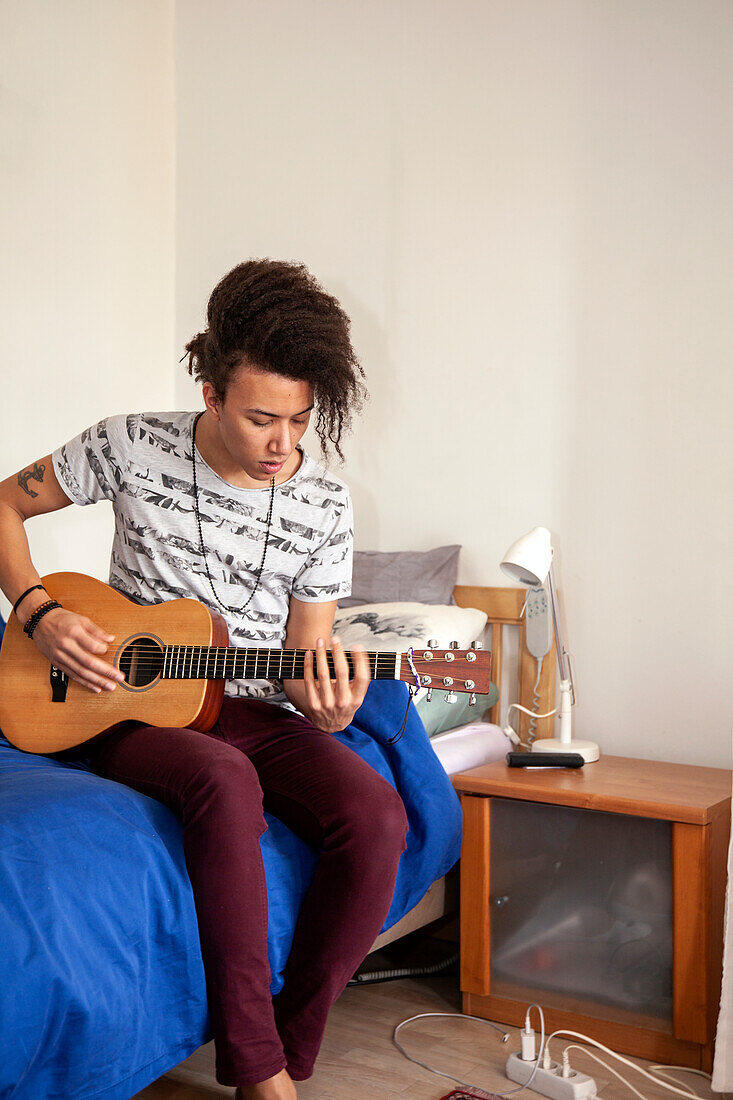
[[32, 721]]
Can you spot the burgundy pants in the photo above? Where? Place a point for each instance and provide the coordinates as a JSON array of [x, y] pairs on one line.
[[217, 783]]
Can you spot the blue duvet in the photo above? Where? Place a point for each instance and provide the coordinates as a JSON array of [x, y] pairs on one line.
[[101, 982]]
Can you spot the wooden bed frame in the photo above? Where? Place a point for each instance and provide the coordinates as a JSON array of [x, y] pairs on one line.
[[504, 609]]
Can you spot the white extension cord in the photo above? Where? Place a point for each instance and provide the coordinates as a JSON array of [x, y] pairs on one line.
[[479, 1019], [535, 1070]]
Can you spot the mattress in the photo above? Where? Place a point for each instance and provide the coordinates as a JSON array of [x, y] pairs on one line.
[[470, 746]]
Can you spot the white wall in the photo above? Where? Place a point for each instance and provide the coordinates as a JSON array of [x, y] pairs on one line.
[[86, 222], [525, 207]]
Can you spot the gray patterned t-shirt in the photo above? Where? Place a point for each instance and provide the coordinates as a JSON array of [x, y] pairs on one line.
[[142, 464]]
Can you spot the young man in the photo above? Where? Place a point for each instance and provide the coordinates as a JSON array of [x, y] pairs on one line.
[[225, 506]]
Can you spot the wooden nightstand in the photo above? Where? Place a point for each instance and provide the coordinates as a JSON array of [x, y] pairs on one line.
[[599, 893]]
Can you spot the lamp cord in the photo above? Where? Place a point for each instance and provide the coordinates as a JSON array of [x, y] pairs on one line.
[[531, 734]]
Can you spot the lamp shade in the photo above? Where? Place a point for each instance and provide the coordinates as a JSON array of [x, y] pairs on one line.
[[528, 560]]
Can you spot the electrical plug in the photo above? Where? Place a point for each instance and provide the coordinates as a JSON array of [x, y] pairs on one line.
[[528, 1043], [512, 735]]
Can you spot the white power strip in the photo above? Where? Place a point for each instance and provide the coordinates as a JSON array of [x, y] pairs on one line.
[[550, 1082]]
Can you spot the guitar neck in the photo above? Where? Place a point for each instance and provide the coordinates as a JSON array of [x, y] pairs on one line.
[[195, 662]]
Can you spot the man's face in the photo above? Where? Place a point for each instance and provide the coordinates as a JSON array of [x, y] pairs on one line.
[[262, 418]]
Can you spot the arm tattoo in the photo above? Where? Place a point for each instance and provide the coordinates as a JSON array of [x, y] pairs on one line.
[[36, 473]]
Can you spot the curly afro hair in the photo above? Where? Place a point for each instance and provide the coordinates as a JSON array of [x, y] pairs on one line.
[[275, 317]]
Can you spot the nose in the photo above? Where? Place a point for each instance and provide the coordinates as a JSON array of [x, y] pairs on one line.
[[281, 443]]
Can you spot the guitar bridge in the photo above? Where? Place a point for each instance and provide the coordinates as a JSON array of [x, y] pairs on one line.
[[59, 685]]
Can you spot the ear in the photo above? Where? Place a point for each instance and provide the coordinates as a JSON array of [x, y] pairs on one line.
[[212, 402]]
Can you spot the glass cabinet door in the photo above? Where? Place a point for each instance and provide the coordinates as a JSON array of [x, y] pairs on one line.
[[581, 910]]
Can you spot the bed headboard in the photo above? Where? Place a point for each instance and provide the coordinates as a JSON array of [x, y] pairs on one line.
[[504, 608]]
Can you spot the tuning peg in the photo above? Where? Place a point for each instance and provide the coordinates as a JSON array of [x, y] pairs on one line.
[[472, 699], [432, 643], [477, 645], [429, 695], [451, 697], [453, 645]]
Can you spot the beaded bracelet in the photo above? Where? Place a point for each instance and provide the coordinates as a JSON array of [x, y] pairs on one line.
[[38, 614]]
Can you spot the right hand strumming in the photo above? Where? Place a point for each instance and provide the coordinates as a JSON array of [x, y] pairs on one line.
[[76, 645]]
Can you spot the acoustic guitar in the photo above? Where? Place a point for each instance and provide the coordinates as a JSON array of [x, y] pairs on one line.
[[175, 658]]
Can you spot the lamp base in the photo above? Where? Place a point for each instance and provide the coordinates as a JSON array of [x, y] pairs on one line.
[[587, 749]]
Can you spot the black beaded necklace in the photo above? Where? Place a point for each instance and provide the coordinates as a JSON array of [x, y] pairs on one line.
[[225, 607]]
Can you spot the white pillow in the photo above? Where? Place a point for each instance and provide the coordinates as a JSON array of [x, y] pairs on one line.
[[381, 627]]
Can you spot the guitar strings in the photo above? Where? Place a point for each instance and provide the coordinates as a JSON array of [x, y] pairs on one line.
[[180, 660], [186, 655], [148, 659], [182, 655], [237, 651]]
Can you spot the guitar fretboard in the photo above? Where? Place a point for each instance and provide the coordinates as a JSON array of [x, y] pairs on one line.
[[195, 662]]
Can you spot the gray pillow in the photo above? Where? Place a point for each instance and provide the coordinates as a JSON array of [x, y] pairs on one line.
[[403, 576]]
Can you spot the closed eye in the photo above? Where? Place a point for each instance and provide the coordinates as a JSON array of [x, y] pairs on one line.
[[266, 423]]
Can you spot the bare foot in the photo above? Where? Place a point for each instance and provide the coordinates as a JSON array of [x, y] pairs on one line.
[[279, 1087]]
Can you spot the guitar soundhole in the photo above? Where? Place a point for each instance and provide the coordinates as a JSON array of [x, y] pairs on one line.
[[141, 661]]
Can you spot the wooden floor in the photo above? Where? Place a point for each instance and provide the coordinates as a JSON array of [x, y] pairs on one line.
[[358, 1060]]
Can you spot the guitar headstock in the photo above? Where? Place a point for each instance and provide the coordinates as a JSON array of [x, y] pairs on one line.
[[452, 669]]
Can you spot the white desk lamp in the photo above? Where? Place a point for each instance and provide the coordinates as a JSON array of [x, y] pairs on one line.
[[529, 561]]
